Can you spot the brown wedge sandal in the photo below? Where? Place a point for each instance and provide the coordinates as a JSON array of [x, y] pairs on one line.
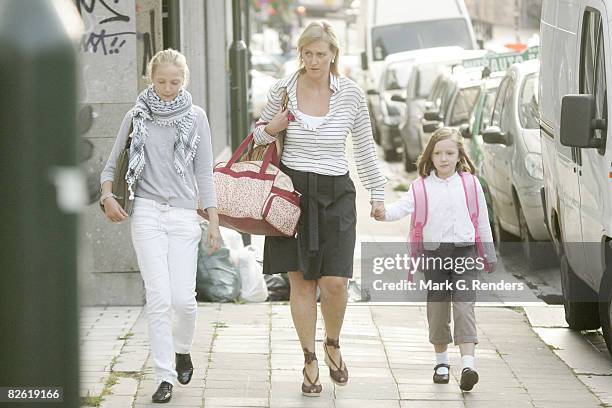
[[312, 389], [338, 375]]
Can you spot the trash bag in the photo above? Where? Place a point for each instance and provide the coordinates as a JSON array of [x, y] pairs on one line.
[[217, 279], [356, 294], [254, 288], [278, 286]]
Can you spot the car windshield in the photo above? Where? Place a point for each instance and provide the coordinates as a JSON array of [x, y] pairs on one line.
[[464, 105], [422, 34], [426, 74], [528, 103], [397, 75]]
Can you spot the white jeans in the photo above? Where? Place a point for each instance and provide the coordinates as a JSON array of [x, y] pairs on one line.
[[166, 242]]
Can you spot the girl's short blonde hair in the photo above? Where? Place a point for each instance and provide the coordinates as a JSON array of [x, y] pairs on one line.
[[168, 56], [323, 31], [425, 163]]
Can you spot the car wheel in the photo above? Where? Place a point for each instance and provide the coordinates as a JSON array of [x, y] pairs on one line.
[[538, 254], [605, 316], [504, 241], [579, 315], [390, 155], [409, 164]]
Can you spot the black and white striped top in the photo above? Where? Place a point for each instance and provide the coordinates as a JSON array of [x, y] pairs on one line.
[[322, 150]]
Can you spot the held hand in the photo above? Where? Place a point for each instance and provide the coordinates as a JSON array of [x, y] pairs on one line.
[[492, 267], [378, 211], [214, 237], [279, 122], [113, 210]]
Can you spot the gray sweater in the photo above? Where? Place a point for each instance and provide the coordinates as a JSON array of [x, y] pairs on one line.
[[159, 180]]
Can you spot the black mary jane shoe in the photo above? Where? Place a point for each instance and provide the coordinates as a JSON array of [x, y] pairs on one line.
[[441, 378], [469, 378], [184, 368], [163, 393]]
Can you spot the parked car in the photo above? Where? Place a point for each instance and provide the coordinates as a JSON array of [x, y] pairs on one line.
[[386, 27], [472, 131], [386, 110], [512, 165], [426, 68], [452, 100], [480, 119], [575, 94]]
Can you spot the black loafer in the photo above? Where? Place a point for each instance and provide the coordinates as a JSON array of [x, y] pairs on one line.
[[163, 393], [184, 368], [441, 378], [469, 378]]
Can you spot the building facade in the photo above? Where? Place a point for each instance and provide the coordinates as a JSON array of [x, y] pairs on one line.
[[504, 21]]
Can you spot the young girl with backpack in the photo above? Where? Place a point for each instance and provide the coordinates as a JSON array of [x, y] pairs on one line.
[[449, 220]]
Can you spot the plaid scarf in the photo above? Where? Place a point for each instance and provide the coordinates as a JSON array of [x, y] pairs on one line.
[[178, 113]]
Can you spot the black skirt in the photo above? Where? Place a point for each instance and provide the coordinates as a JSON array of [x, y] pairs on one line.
[[325, 242]]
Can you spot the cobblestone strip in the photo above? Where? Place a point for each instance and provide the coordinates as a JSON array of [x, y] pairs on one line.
[[104, 335]]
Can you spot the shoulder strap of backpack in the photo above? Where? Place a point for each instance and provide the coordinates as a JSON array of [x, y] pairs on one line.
[[419, 215], [419, 219], [471, 199], [471, 196]]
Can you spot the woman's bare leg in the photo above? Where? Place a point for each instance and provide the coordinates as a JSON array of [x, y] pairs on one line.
[[334, 296], [303, 301]]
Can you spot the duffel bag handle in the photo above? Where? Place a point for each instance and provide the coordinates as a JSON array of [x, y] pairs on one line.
[[269, 155], [275, 158]]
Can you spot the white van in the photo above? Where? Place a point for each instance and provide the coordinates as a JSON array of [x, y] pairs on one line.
[[390, 26], [577, 160]]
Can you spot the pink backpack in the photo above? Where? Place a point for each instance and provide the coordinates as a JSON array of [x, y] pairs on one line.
[[419, 215]]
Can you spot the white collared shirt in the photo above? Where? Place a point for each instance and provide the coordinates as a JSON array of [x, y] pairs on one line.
[[448, 219]]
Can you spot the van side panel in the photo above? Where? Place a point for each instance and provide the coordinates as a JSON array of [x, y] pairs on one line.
[[558, 52], [594, 181]]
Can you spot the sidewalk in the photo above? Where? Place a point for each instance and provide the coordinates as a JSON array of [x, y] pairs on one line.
[[249, 356]]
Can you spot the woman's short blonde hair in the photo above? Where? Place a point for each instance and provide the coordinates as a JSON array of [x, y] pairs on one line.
[[168, 56], [323, 31], [425, 163]]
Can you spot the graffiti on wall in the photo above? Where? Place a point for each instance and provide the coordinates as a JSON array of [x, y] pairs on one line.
[[107, 35], [106, 30]]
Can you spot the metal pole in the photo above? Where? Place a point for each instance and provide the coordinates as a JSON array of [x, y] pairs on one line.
[[247, 27], [238, 56], [38, 246], [174, 24]]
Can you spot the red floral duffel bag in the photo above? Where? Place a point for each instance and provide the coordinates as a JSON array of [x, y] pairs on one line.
[[256, 197]]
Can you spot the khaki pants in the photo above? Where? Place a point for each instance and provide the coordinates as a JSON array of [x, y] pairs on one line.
[[439, 317], [439, 300]]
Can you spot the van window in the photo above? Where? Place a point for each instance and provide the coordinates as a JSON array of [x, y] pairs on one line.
[[464, 105], [394, 38], [528, 103], [593, 67]]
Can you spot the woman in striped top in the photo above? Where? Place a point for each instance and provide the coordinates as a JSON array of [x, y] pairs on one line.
[[326, 108]]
